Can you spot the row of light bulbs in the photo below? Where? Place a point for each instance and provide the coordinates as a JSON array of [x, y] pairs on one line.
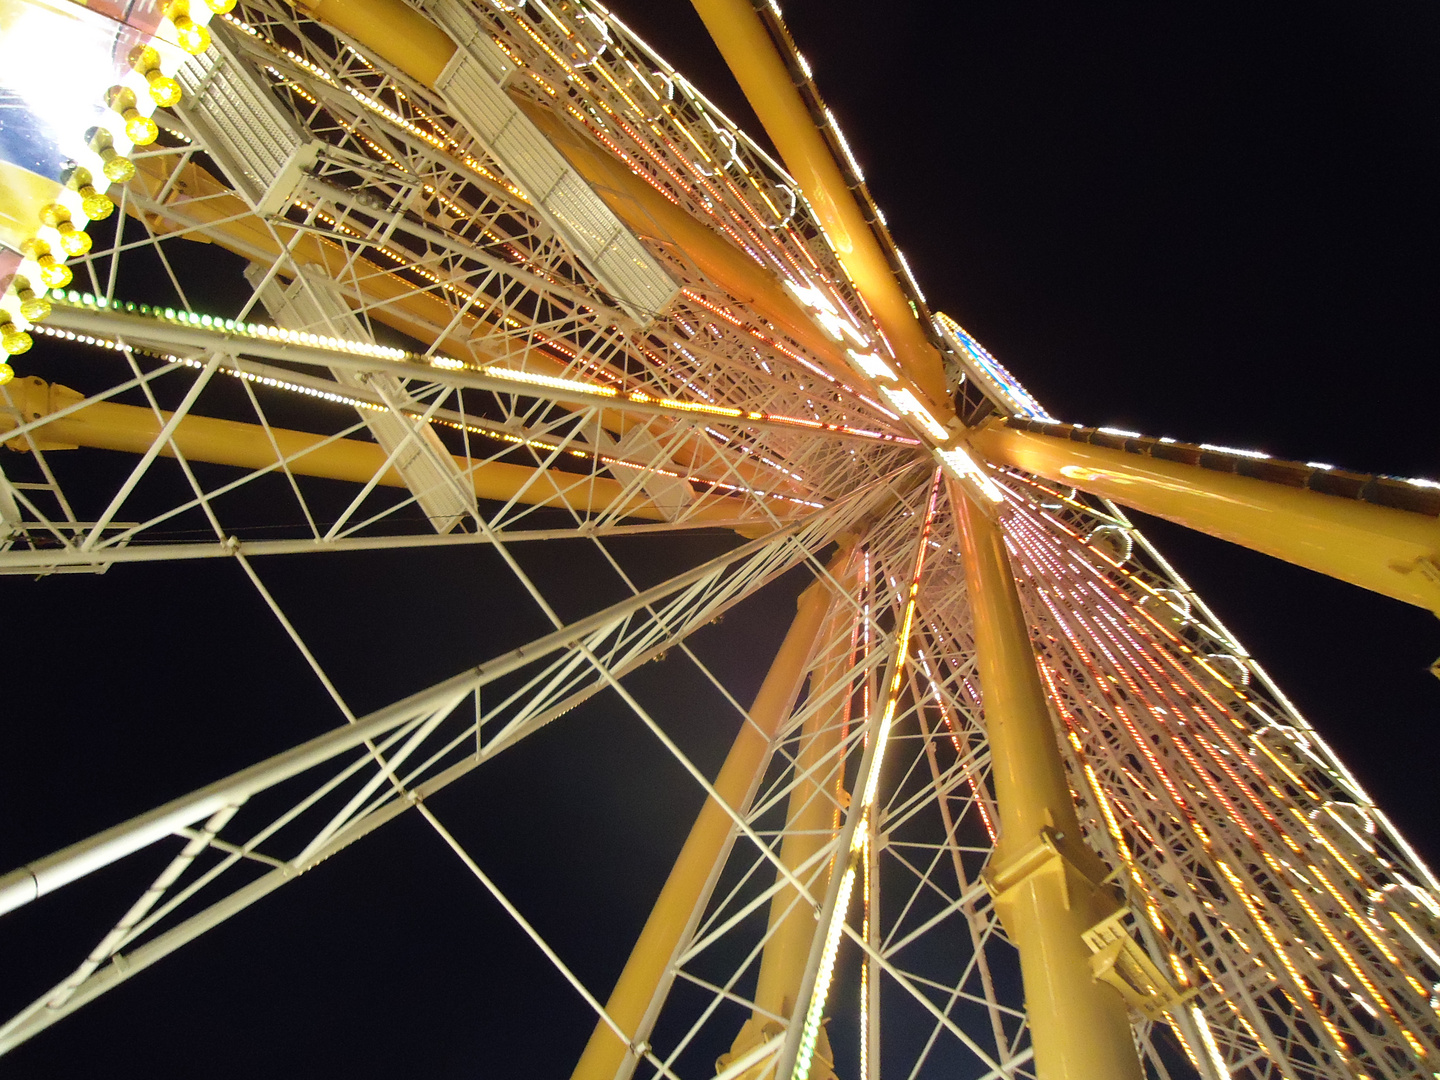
[[101, 162], [235, 327]]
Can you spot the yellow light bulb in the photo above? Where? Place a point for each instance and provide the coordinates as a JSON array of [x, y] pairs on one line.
[[97, 206], [117, 169], [6, 373], [14, 340], [120, 98], [72, 240], [220, 7], [141, 129], [55, 215], [144, 58], [192, 37], [54, 274], [35, 308], [164, 91]]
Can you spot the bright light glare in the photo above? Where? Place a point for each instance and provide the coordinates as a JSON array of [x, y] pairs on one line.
[[871, 364], [1259, 455], [962, 466], [1209, 1040], [907, 404], [65, 96]]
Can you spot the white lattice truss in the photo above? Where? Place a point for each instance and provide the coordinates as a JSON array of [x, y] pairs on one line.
[[1257, 872]]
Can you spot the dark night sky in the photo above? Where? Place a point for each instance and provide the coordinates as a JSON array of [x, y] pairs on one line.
[[1215, 222]]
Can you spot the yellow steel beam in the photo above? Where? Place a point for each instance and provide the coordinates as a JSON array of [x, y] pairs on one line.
[[402, 36], [810, 823], [224, 218], [213, 212], [757, 66], [1387, 550], [1042, 876], [657, 220], [133, 429], [699, 861], [392, 30]]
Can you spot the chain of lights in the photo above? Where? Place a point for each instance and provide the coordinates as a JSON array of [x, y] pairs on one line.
[[240, 330], [810, 1032], [98, 159], [1233, 778], [340, 398]]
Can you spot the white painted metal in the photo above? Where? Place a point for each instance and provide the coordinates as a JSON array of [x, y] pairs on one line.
[[1253, 863]]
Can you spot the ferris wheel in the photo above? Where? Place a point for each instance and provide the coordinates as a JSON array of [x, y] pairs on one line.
[[502, 366]]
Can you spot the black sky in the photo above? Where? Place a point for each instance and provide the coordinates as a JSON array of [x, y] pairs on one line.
[[1215, 222]]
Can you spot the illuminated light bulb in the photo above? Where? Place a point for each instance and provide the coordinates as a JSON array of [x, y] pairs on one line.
[[72, 240], [141, 130], [54, 274], [6, 373], [117, 168], [97, 206], [191, 36], [164, 90], [220, 7], [33, 307], [12, 339]]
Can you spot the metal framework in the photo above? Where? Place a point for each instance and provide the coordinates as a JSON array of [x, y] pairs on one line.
[[444, 326]]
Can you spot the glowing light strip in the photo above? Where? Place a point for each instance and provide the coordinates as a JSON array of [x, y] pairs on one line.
[[277, 335], [1208, 1038], [962, 466], [232, 328], [907, 404], [987, 363], [474, 429], [902, 645], [865, 965], [810, 1032], [554, 382], [1258, 455]]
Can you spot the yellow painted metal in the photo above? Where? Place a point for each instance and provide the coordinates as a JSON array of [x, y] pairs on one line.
[[401, 35], [1389, 551], [389, 299], [659, 222], [757, 66], [1043, 877], [109, 426], [392, 30], [220, 216], [810, 823], [700, 858]]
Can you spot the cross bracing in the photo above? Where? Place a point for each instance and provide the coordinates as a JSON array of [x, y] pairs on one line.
[[421, 350]]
